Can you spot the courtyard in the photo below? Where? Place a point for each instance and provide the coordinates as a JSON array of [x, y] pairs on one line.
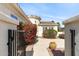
[[40, 48]]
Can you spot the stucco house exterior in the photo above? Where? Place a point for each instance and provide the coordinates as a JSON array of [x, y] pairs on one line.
[[72, 36], [42, 25], [10, 16]]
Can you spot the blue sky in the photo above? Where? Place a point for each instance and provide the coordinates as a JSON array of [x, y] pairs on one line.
[[51, 11]]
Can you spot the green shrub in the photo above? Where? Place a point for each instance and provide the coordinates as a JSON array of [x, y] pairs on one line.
[[50, 33]]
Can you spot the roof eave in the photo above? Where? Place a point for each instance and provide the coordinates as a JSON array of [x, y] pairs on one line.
[[72, 19], [21, 11]]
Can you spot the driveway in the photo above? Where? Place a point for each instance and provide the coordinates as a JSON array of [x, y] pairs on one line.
[[40, 48]]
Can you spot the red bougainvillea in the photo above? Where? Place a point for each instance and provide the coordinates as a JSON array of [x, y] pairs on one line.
[[30, 32]]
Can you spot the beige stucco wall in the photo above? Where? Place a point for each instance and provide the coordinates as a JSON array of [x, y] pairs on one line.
[[55, 28], [74, 26], [9, 9], [34, 21], [39, 31]]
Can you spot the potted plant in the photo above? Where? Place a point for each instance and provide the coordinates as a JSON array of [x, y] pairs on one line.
[[52, 45]]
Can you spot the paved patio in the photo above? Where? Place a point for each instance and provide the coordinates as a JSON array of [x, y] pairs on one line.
[[40, 48]]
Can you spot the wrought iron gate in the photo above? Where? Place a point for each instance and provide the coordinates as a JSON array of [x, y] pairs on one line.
[[12, 45], [13, 41], [72, 42]]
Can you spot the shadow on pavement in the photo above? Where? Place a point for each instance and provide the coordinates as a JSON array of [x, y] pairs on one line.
[[57, 53]]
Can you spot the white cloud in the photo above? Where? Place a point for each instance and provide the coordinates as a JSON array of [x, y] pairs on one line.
[[58, 17], [49, 16]]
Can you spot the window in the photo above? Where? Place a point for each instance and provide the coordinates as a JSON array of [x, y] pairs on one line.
[[13, 16]]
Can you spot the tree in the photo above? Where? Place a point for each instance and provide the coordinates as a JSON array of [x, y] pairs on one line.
[[52, 21], [58, 23], [49, 33], [20, 26], [30, 32]]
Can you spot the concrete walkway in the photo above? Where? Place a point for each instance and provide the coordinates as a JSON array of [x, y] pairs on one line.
[[40, 48]]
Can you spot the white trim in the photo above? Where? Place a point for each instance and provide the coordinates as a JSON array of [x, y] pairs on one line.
[[6, 18]]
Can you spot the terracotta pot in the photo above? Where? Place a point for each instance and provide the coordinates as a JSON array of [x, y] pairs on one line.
[[52, 45]]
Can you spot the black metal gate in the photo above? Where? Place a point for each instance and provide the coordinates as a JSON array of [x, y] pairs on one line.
[[12, 45], [72, 42], [13, 41]]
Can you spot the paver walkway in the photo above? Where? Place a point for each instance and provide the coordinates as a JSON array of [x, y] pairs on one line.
[[40, 48]]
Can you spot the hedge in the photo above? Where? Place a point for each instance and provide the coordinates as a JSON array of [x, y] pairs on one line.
[[50, 33]]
